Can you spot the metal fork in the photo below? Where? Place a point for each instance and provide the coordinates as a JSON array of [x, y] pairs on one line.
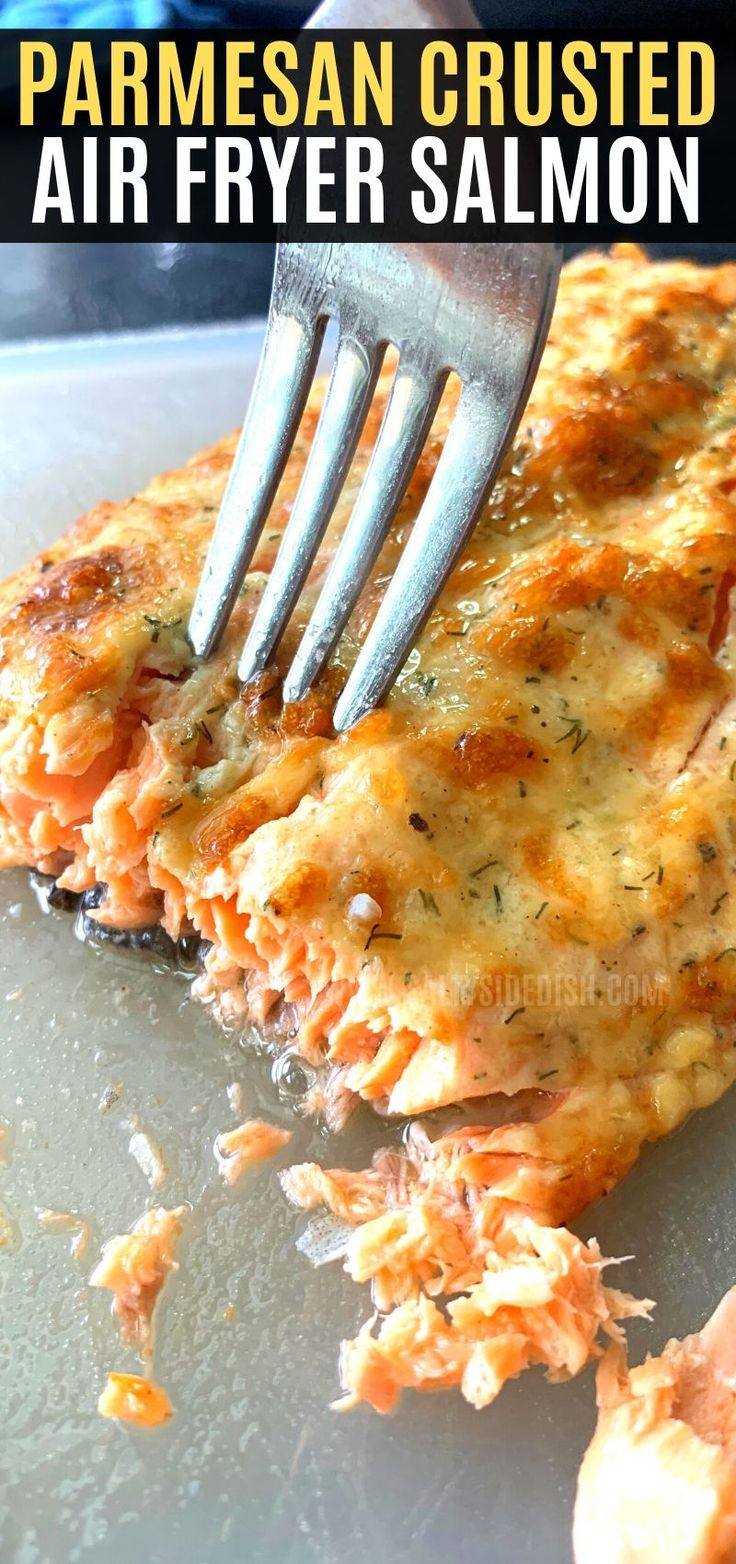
[[480, 310]]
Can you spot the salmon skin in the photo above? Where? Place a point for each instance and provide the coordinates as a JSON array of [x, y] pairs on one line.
[[510, 888]]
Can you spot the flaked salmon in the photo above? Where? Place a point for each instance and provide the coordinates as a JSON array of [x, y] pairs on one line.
[[135, 1266], [247, 1145], [135, 1400], [658, 1482]]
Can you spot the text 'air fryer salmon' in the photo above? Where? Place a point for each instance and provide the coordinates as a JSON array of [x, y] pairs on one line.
[[510, 888]]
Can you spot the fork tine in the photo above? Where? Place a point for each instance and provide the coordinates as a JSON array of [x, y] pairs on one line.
[[411, 407], [344, 411], [465, 472], [285, 373]]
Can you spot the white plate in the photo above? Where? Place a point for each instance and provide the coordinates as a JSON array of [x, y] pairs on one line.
[[254, 1466]]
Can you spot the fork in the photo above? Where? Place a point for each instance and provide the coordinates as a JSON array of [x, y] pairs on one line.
[[481, 311]]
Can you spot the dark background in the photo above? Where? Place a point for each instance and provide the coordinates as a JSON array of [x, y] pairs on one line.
[[50, 290], [589, 14]]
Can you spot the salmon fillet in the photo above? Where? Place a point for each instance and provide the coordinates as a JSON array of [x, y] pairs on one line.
[[658, 1482], [511, 888]]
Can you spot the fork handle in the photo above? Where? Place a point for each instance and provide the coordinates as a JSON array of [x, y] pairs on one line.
[[393, 13]]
